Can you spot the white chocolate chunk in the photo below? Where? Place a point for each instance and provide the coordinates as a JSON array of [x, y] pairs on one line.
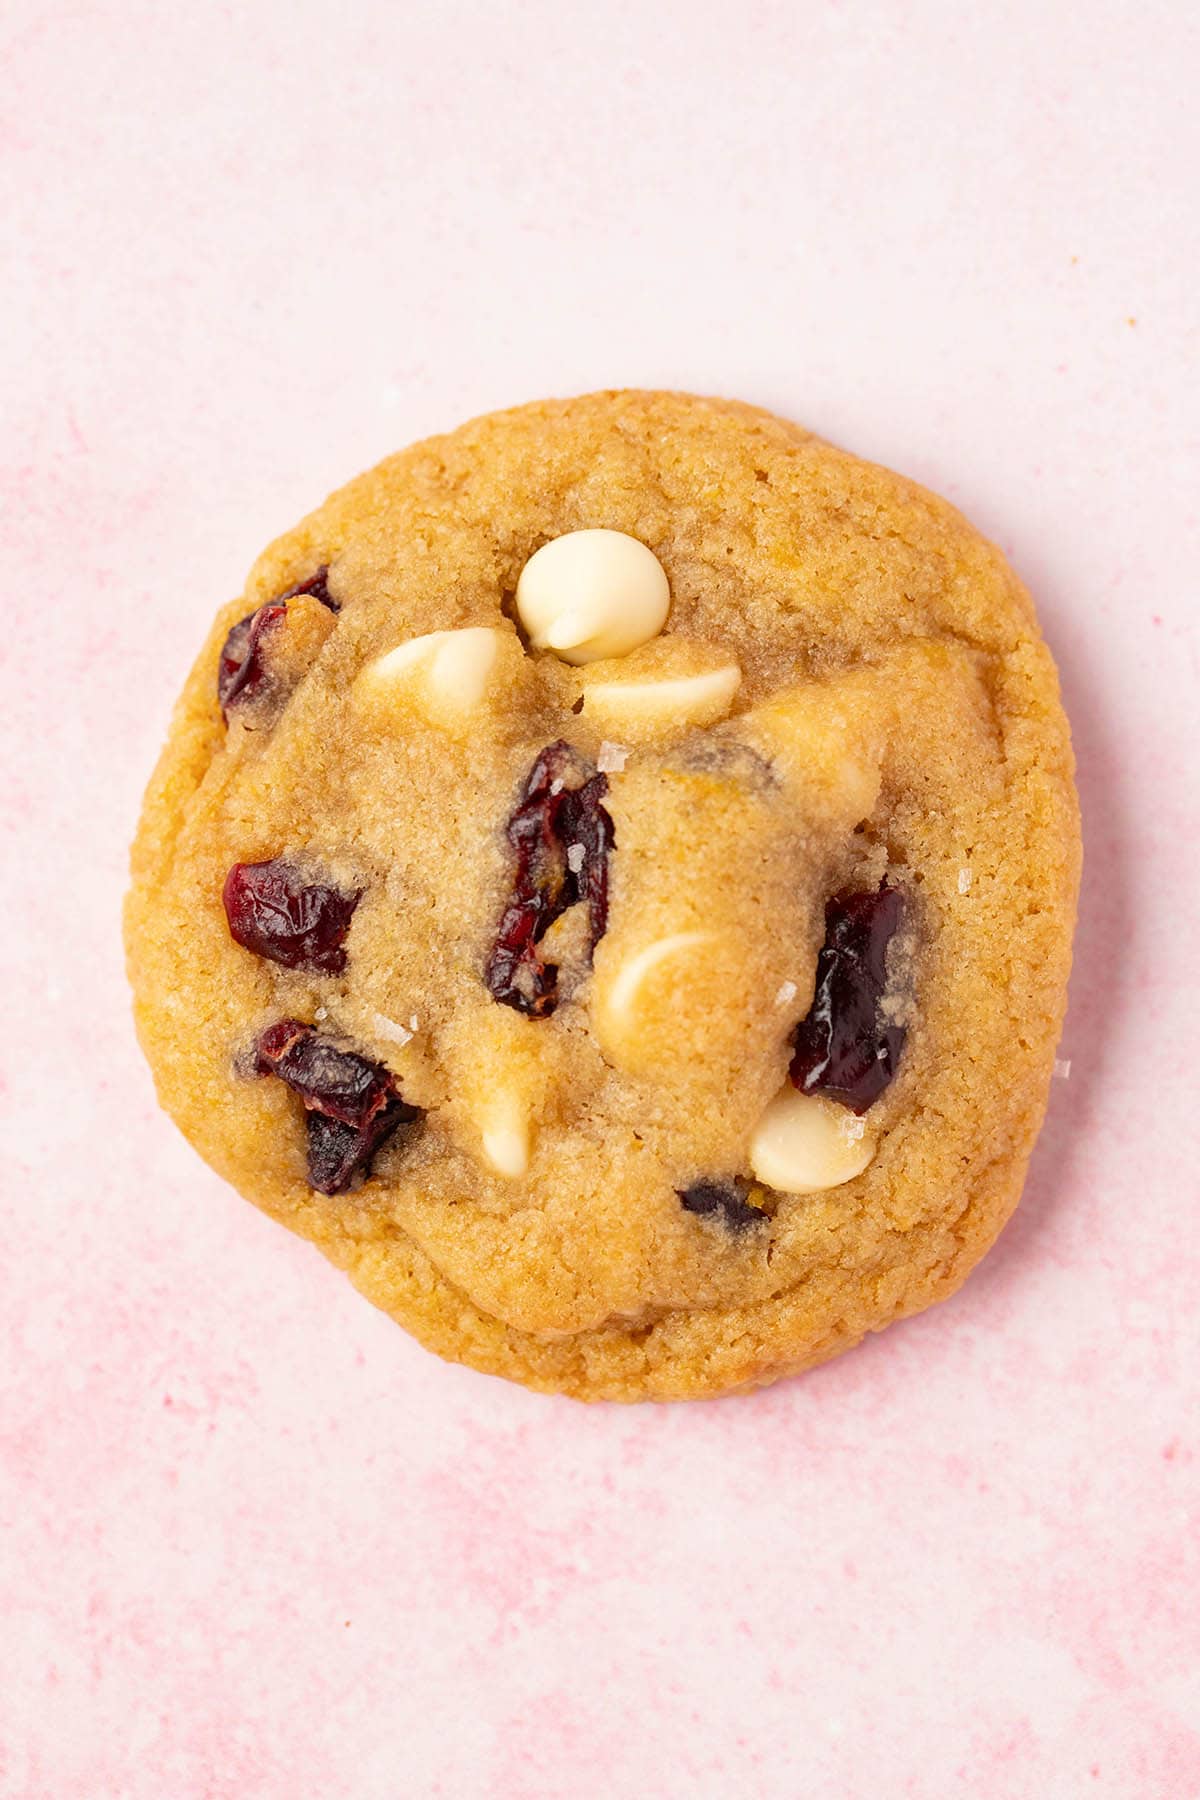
[[803, 1144], [506, 1135], [444, 674], [592, 594], [648, 706]]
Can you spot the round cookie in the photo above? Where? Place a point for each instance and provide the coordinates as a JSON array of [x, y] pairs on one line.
[[636, 1006]]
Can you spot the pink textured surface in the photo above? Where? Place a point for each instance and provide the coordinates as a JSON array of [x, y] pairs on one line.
[[254, 1543]]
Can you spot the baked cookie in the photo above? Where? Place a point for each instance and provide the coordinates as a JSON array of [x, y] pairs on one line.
[[609, 883]]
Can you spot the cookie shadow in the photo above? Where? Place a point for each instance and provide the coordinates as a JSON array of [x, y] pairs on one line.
[[1102, 988]]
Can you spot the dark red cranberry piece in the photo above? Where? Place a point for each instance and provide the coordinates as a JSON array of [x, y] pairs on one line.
[[845, 1048], [352, 1105], [318, 586], [275, 913], [337, 1082], [590, 827], [562, 837], [336, 1152], [240, 672], [724, 1200]]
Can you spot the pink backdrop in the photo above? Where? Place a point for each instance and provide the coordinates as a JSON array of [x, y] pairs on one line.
[[254, 1543]]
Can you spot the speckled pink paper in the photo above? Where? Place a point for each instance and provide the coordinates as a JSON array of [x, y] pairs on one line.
[[254, 1543]]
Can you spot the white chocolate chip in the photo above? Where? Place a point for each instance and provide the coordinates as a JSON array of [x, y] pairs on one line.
[[803, 1144], [592, 594], [631, 1007], [444, 673], [659, 705], [506, 1136], [825, 749], [611, 758]]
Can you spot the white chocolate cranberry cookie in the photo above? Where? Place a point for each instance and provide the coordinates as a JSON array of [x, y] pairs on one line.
[[609, 883]]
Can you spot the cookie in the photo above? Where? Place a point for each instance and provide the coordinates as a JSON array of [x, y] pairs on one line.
[[609, 884]]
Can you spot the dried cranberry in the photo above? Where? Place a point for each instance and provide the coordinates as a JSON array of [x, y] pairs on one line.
[[318, 586], [240, 672], [845, 1048], [562, 837], [275, 913], [336, 1152], [352, 1105], [589, 826], [725, 1200]]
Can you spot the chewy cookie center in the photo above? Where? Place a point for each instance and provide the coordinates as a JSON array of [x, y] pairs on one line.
[[669, 969]]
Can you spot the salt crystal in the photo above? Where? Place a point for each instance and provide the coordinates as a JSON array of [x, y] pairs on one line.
[[611, 758], [1062, 1068], [853, 1129], [388, 1028], [413, 1021], [321, 1013], [575, 857], [964, 881], [556, 786], [787, 992]]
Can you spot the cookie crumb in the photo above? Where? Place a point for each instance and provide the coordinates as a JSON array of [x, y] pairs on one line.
[[611, 758]]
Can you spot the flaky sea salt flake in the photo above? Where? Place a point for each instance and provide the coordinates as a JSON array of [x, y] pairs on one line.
[[611, 758], [389, 1029]]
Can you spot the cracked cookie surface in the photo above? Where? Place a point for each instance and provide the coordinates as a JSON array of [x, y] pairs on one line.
[[544, 937]]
